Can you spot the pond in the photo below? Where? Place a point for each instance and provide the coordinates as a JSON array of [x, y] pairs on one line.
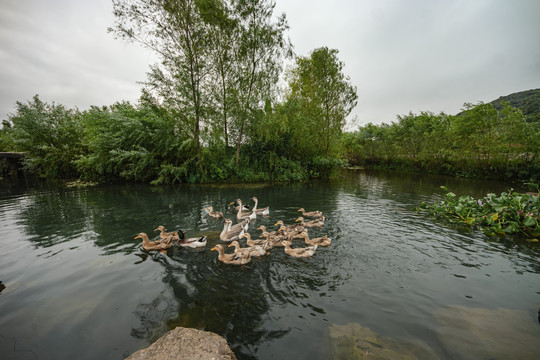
[[76, 284]]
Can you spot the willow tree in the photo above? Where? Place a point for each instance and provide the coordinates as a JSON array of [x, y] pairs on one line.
[[327, 94], [178, 33]]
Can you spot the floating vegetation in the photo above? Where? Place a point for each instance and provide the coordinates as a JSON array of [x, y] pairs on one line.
[[79, 184], [509, 213]]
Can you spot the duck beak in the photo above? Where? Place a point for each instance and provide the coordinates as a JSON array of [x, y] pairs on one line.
[[214, 248], [276, 224], [231, 203], [297, 220], [137, 237], [229, 245], [156, 229]]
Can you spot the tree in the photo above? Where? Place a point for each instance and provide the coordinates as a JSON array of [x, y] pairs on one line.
[[178, 33], [224, 28], [50, 134], [475, 130], [327, 94], [260, 48]]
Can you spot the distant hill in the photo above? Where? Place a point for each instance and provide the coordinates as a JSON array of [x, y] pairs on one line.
[[527, 101]]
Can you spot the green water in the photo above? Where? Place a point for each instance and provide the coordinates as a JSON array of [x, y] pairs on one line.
[[78, 285]]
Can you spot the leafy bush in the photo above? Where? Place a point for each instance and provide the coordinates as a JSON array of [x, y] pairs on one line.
[[51, 135], [509, 213]]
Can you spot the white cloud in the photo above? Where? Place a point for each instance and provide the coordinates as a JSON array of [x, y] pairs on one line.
[[403, 56]]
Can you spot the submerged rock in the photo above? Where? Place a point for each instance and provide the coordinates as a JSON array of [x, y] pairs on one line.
[[477, 333], [353, 341], [189, 344]]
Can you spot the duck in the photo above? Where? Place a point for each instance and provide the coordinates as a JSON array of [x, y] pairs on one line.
[[319, 241], [231, 233], [312, 214], [251, 242], [243, 215], [263, 230], [193, 242], [233, 259], [291, 230], [153, 245], [214, 214], [281, 233], [267, 245], [264, 211], [307, 251], [271, 237], [255, 251], [235, 206], [166, 236], [319, 222]]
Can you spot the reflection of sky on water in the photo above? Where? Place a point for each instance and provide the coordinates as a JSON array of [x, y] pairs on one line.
[[75, 277]]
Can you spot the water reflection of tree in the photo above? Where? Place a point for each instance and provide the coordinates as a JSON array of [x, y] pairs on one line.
[[110, 216], [52, 217], [233, 301], [387, 183], [211, 296]]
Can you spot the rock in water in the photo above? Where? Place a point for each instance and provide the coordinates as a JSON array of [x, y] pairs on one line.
[[470, 333], [356, 342], [189, 344]]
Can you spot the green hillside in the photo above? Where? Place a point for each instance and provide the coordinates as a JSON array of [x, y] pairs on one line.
[[527, 101]]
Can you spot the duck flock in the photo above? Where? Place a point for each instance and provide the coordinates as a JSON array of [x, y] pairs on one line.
[[234, 234]]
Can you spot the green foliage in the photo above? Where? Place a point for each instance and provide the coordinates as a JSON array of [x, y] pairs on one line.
[[325, 95], [526, 101], [479, 142], [6, 137], [50, 134], [212, 93], [509, 213]]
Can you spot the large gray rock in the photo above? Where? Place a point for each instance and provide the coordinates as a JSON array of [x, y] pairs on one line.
[[184, 343]]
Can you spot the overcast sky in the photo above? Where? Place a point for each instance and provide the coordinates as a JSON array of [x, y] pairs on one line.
[[408, 55]]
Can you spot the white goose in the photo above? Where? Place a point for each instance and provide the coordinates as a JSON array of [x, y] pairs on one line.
[[243, 215], [263, 211]]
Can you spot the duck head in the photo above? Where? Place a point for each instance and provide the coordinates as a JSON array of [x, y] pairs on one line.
[[180, 233]]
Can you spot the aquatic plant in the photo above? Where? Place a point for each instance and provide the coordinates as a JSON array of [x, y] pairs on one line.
[[509, 213]]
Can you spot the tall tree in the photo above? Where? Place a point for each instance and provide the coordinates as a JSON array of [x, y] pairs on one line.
[[223, 26], [327, 93], [178, 33], [259, 51]]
